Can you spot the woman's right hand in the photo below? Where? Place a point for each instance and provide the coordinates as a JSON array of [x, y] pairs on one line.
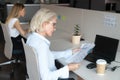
[[73, 66]]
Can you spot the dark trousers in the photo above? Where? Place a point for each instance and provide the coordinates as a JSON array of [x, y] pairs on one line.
[[17, 45], [18, 50]]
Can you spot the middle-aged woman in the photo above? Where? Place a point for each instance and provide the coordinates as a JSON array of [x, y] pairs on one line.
[[14, 26], [42, 25]]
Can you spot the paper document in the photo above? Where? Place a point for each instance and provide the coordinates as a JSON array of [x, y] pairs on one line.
[[79, 56]]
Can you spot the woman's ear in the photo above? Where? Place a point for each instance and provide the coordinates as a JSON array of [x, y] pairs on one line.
[[44, 24]]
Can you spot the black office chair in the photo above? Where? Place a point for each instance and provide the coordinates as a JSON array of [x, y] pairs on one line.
[[14, 56]]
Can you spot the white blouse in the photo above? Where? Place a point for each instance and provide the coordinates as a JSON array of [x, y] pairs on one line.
[[12, 30], [46, 58]]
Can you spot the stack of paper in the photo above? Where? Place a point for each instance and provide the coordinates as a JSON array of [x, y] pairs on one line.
[[79, 56]]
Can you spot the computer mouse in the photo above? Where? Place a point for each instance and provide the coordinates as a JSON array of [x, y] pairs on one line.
[[91, 65]]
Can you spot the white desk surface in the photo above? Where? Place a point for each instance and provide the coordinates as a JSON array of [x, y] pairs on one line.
[[90, 74], [61, 41], [83, 72]]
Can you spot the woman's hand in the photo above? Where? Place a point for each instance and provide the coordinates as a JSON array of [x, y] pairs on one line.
[[73, 66]]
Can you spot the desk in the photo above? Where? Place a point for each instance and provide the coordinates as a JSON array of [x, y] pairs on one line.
[[83, 72], [25, 25], [90, 74]]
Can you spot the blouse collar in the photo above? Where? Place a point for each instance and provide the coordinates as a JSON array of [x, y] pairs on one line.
[[42, 37]]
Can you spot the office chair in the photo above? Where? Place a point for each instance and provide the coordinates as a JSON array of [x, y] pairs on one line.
[[31, 62], [12, 55]]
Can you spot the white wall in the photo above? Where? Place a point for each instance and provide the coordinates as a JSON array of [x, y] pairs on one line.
[[91, 22], [66, 25]]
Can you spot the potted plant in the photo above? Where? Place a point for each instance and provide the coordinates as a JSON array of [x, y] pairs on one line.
[[76, 35]]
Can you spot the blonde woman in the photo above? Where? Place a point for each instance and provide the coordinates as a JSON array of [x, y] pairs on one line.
[[42, 25], [15, 29]]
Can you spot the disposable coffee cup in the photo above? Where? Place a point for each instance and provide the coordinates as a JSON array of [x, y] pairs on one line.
[[101, 65]]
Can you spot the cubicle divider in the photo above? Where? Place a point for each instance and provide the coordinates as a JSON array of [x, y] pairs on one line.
[[91, 22]]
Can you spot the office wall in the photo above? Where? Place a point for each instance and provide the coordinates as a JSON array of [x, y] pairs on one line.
[[91, 22], [98, 5], [84, 4], [66, 20]]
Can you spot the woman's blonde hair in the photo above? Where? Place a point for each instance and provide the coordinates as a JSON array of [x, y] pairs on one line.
[[14, 13], [42, 15]]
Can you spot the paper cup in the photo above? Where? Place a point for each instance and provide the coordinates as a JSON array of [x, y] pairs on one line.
[[101, 65]]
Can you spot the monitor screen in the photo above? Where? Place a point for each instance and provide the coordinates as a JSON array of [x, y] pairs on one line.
[[105, 48], [31, 9]]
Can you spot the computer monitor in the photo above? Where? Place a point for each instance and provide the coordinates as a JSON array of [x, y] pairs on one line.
[[105, 48], [31, 9]]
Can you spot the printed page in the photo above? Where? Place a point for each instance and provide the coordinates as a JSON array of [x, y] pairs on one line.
[[79, 56]]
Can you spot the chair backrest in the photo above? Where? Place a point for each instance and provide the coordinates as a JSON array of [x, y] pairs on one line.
[[8, 42], [31, 62]]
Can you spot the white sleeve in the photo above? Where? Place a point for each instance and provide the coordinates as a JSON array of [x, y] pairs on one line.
[[59, 54], [45, 71]]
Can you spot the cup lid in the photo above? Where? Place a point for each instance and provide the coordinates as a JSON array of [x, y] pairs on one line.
[[101, 61]]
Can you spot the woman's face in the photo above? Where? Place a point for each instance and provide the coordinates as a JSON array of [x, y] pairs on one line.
[[50, 27], [22, 12]]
